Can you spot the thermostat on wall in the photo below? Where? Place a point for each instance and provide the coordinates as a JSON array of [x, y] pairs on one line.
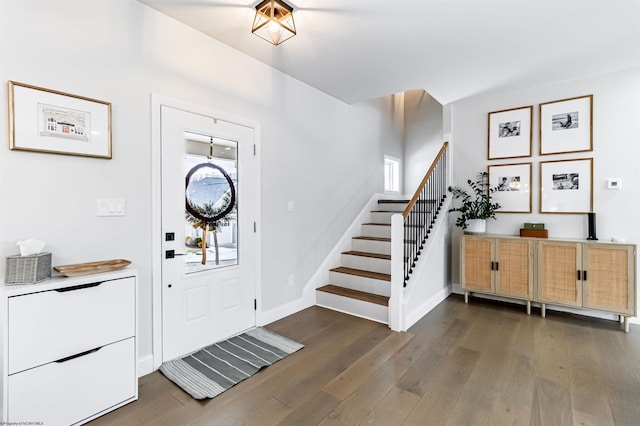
[[614, 183]]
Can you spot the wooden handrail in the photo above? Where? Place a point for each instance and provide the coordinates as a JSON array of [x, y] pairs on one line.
[[413, 201]]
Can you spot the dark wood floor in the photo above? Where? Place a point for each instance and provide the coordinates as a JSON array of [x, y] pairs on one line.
[[479, 364]]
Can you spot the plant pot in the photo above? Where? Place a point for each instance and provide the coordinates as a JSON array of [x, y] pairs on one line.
[[476, 226]]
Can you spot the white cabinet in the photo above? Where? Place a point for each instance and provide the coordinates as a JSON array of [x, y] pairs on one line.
[[69, 348]]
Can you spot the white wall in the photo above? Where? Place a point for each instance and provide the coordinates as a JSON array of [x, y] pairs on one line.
[[616, 149], [322, 154], [423, 137]]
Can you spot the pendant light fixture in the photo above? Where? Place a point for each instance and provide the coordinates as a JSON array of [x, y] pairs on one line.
[[274, 21]]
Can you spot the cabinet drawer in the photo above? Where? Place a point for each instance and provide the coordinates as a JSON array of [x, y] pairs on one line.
[[64, 393], [50, 325]]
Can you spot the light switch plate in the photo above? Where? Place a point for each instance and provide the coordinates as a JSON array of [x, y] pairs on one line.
[[110, 207]]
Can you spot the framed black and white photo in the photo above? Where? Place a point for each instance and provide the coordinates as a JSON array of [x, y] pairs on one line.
[[510, 133], [566, 186], [566, 126], [45, 120], [514, 187]]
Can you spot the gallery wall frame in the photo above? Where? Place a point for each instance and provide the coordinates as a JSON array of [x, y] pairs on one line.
[[509, 133], [566, 125], [49, 121], [566, 186], [514, 195]]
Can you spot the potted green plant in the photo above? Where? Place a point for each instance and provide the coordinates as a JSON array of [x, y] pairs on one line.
[[477, 206]]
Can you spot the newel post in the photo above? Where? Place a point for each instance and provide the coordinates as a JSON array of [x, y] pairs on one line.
[[396, 302]]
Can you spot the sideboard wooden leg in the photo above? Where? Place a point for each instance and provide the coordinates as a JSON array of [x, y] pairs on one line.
[[544, 310]]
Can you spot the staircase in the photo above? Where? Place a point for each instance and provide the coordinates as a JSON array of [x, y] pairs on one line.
[[361, 286], [368, 283]]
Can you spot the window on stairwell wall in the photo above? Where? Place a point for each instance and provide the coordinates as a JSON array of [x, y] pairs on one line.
[[391, 175]]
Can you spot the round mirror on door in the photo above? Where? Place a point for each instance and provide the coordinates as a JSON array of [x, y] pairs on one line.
[[209, 197]]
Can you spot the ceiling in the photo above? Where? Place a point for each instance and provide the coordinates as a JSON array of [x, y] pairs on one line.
[[356, 50]]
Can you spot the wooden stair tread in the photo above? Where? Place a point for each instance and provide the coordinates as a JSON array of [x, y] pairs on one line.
[[362, 273], [386, 240], [393, 211], [367, 254], [405, 201], [392, 201], [388, 224], [355, 294]]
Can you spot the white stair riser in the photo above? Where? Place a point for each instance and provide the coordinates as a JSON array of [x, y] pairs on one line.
[[371, 246], [376, 231], [355, 307], [381, 217], [354, 282], [392, 207], [364, 263]]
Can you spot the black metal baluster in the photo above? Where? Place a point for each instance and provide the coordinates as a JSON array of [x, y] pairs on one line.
[[422, 216]]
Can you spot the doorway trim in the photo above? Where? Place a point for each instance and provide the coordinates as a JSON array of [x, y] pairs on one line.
[[157, 101]]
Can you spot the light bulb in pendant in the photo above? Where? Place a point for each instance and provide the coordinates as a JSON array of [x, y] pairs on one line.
[[274, 27]]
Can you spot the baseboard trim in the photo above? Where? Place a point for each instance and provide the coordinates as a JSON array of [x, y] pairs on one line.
[[277, 313], [145, 365], [416, 315]]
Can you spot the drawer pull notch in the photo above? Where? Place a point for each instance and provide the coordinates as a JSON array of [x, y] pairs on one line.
[[69, 358], [77, 287]]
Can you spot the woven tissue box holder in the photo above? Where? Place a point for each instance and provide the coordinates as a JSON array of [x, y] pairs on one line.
[[28, 269]]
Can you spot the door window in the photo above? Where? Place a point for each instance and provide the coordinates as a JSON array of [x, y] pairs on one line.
[[211, 208]]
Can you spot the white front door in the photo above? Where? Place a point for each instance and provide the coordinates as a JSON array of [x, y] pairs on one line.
[[208, 275]]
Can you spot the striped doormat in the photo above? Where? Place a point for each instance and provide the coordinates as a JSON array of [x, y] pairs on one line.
[[214, 369]]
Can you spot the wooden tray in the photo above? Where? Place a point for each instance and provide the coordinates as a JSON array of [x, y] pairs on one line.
[[91, 267]]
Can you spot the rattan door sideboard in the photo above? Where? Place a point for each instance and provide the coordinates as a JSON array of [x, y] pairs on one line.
[[497, 265], [592, 275], [578, 274]]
